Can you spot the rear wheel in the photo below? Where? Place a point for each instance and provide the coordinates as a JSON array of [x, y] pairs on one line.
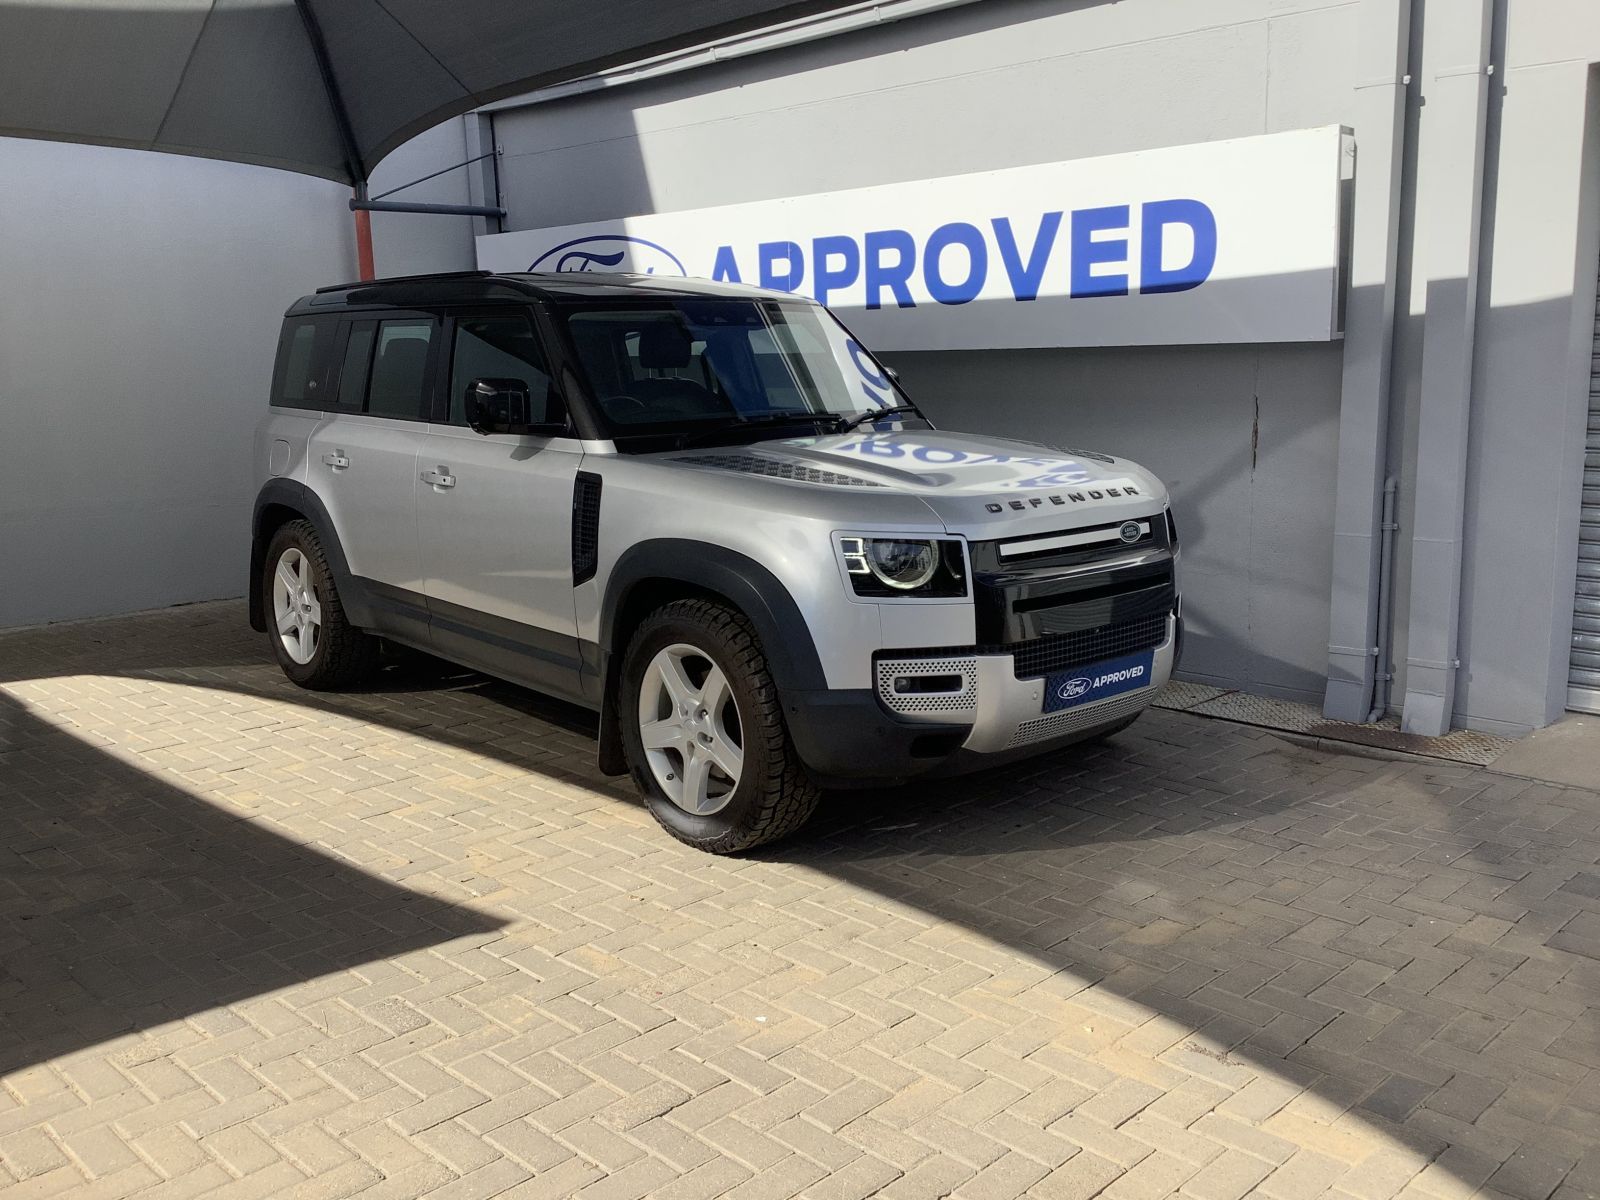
[[311, 639], [703, 731]]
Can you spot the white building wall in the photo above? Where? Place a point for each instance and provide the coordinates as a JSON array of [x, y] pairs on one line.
[[416, 243], [1246, 436], [139, 315]]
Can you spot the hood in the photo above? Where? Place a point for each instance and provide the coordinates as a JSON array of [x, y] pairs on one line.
[[968, 480]]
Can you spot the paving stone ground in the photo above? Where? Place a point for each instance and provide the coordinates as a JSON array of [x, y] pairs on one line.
[[259, 942]]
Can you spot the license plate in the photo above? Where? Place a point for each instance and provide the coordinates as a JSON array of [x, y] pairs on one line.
[[1085, 685]]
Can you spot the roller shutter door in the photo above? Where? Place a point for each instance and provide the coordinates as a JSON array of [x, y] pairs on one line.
[[1584, 680]]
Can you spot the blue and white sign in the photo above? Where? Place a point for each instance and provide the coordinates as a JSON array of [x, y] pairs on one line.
[[1234, 241], [1070, 689]]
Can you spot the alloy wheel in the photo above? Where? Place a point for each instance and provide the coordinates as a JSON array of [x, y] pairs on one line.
[[296, 608], [689, 725]]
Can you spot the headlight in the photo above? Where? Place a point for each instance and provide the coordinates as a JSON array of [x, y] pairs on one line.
[[903, 565], [915, 567]]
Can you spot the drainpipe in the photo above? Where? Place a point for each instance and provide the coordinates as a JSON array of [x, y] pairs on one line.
[[1385, 673], [1450, 185], [1379, 116]]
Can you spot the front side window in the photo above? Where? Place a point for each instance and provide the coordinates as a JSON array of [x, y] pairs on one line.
[[689, 362], [398, 382], [500, 346]]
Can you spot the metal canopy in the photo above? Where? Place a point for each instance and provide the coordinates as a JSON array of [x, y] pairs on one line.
[[323, 87]]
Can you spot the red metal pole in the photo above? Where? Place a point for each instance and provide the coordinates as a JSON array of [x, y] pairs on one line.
[[364, 268]]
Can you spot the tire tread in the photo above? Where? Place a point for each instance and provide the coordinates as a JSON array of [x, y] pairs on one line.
[[349, 655], [788, 797]]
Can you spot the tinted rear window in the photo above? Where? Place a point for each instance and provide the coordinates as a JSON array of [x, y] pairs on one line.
[[300, 379]]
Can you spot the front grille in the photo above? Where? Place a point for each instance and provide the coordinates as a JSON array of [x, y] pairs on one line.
[[1042, 656], [1046, 655]]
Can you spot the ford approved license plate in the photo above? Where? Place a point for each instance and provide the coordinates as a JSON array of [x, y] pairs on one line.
[[1085, 685]]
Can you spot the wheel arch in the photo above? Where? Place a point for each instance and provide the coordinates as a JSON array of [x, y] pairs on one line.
[[656, 572], [277, 503]]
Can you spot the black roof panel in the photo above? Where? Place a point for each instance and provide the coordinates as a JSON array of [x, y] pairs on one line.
[[467, 287]]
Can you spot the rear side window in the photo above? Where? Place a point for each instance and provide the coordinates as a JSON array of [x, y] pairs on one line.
[[300, 377], [399, 378], [357, 361]]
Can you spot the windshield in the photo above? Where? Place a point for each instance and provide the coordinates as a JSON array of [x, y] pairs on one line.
[[691, 363]]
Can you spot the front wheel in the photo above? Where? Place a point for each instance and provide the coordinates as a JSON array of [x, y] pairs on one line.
[[703, 731]]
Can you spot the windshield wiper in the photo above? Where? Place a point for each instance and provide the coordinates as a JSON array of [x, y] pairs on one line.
[[872, 414], [832, 420]]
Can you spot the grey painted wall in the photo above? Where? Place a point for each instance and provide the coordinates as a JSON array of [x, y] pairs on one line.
[[1530, 362], [138, 319], [1245, 435]]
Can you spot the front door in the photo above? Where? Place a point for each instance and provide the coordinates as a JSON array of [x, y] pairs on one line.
[[362, 462], [494, 517]]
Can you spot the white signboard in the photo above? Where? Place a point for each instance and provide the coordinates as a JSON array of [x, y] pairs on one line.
[[1234, 241]]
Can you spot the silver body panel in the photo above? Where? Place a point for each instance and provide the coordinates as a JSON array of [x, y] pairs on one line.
[[364, 469], [461, 526], [791, 526], [498, 539]]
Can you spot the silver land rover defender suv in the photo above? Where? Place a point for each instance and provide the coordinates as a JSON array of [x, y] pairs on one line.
[[708, 513]]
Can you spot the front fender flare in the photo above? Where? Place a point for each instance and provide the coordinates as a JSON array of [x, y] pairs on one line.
[[755, 591]]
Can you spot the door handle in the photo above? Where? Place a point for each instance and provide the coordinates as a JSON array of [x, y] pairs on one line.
[[336, 460], [439, 478]]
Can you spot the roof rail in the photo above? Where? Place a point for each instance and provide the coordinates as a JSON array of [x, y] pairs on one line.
[[339, 287]]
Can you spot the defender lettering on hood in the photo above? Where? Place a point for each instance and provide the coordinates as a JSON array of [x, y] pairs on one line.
[[966, 479]]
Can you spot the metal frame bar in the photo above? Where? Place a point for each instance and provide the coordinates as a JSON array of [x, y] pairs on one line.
[[434, 175], [359, 205]]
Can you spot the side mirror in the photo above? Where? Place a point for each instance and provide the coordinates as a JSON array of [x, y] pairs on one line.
[[504, 406]]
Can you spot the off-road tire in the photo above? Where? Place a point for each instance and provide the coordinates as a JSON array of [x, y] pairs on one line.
[[345, 656], [774, 796]]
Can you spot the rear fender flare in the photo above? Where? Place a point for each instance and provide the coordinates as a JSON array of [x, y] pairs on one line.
[[307, 505]]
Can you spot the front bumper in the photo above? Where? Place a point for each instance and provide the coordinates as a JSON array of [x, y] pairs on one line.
[[986, 715]]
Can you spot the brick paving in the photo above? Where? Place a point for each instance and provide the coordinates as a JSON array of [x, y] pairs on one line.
[[256, 942]]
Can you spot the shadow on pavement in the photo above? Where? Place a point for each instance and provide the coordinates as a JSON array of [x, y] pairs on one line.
[[1387, 937], [126, 903]]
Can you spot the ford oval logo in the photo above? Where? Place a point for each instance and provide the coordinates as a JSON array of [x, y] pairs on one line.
[[610, 252], [1130, 531], [1073, 688]]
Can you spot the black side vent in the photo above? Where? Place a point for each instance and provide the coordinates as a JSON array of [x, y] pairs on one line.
[[585, 527]]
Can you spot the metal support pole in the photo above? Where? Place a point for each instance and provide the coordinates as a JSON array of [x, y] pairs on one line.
[[448, 210], [1450, 190], [365, 268]]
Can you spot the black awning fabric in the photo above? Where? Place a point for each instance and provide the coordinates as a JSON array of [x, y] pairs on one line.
[[246, 80]]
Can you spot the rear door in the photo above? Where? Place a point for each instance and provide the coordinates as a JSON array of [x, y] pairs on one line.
[[363, 459], [494, 515]]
